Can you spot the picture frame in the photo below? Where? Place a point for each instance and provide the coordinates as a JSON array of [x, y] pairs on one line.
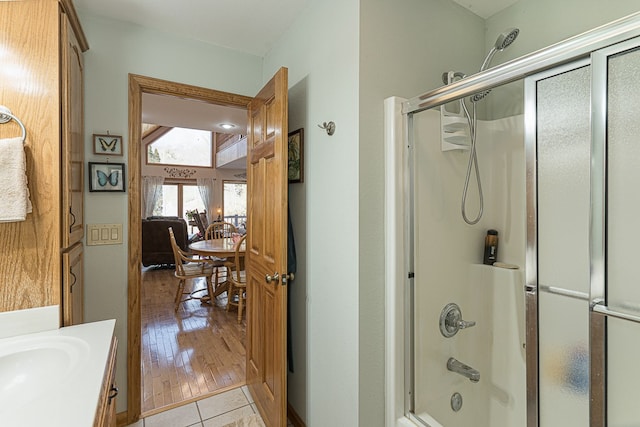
[[296, 156], [107, 145], [106, 177]]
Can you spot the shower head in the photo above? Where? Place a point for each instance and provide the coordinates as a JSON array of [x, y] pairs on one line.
[[502, 42], [506, 38], [479, 96]]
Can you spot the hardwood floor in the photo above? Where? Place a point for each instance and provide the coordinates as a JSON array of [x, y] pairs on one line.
[[187, 355]]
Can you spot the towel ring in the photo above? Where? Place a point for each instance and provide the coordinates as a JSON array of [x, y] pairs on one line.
[[5, 116]]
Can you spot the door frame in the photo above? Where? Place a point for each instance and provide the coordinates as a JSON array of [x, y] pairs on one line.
[[137, 86]]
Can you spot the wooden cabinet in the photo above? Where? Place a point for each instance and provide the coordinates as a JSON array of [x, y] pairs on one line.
[[44, 41], [72, 171], [73, 285], [106, 413], [72, 131]]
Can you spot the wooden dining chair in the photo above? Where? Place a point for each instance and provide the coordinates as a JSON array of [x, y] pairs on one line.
[[188, 267], [237, 280], [198, 220], [218, 230]]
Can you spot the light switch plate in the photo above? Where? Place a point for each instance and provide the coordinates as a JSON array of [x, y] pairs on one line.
[[104, 234]]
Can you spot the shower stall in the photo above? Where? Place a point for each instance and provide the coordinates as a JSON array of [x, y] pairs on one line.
[[549, 335]]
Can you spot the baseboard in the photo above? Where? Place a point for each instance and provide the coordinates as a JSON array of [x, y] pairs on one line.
[[294, 417]]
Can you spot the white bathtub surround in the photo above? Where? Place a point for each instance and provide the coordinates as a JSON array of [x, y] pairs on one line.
[[64, 396], [447, 252], [20, 322]]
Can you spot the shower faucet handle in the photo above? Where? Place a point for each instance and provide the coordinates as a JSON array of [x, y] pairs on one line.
[[463, 324], [451, 320]]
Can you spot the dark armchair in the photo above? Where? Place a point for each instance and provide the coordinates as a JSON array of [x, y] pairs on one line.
[[156, 245]]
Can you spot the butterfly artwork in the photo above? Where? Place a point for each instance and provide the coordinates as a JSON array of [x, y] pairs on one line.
[[103, 178], [106, 177], [107, 145]]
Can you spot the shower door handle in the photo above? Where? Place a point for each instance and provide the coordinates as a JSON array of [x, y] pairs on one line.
[[623, 313]]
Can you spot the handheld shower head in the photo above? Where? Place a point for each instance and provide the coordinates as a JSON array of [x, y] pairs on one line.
[[502, 42], [506, 38]]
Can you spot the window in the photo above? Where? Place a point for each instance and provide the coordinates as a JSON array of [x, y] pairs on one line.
[[234, 199], [183, 147], [176, 199]]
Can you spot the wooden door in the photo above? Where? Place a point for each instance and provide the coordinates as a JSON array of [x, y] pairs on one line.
[[267, 250]]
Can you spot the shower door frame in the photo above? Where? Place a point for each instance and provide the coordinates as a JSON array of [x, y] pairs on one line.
[[399, 271]]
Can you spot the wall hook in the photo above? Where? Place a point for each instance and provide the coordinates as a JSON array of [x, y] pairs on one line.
[[329, 127]]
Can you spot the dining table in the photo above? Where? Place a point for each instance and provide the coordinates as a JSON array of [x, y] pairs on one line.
[[218, 248]]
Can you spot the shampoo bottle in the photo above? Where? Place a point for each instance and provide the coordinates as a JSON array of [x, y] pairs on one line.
[[491, 247]]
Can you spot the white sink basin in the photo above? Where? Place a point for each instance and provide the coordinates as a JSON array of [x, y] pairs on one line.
[[31, 367]]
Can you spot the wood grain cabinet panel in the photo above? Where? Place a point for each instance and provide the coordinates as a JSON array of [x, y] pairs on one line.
[[106, 413], [47, 96], [73, 285], [72, 136]]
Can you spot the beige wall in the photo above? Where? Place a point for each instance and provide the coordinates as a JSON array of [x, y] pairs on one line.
[[405, 48], [543, 23]]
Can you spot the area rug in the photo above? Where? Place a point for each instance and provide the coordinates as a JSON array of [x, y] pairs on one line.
[[249, 421]]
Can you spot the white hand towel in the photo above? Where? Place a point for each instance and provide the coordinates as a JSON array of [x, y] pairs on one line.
[[14, 193]]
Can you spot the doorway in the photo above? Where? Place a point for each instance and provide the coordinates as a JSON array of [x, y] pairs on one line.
[[139, 85]]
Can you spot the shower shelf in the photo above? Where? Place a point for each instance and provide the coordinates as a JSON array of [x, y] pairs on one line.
[[454, 130]]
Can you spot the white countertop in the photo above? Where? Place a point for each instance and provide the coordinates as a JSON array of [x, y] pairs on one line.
[[73, 400]]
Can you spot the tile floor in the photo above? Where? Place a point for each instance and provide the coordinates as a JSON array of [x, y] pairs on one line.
[[215, 411]]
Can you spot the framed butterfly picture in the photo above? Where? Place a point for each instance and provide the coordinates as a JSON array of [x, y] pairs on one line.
[[107, 145], [106, 177]]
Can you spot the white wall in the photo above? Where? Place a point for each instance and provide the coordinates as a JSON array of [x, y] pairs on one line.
[[117, 49], [321, 53]]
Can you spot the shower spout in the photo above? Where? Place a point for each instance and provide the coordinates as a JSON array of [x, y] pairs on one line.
[[458, 367]]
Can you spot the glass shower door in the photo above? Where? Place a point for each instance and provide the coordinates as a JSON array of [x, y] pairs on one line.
[[558, 151], [615, 288]]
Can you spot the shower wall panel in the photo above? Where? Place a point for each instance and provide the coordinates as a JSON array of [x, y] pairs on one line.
[[447, 254]]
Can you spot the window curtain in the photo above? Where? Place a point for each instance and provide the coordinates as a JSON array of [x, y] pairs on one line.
[[205, 186], [151, 191]]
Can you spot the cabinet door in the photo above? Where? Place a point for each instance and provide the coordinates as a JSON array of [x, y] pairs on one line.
[[106, 411], [72, 137], [72, 286]]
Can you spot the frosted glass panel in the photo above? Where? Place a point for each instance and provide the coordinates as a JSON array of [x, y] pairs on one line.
[[564, 361], [623, 224], [623, 376], [564, 139]]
